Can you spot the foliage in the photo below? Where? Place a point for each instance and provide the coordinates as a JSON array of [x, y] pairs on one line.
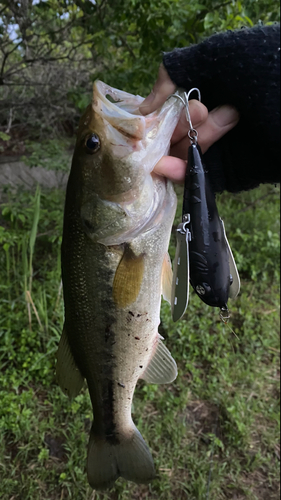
[[266, 244], [3, 137], [51, 51], [32, 267], [51, 154]]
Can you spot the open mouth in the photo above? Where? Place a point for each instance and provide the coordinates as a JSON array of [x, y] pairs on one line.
[[143, 139], [128, 103]]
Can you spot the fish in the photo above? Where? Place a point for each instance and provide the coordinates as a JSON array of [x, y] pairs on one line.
[[115, 267]]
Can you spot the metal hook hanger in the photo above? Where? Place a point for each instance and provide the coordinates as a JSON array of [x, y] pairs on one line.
[[192, 133], [186, 96]]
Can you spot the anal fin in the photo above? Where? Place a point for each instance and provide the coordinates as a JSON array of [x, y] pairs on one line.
[[68, 375], [162, 368]]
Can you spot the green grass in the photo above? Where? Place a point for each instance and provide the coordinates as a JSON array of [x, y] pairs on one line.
[[214, 432]]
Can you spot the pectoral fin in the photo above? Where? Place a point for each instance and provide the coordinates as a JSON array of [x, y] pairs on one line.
[[128, 278], [162, 368], [167, 278], [68, 375]]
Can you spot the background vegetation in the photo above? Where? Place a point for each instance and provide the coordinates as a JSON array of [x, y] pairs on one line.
[[51, 51], [214, 432]]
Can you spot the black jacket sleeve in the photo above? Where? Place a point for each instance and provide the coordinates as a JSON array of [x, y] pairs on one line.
[[241, 68]]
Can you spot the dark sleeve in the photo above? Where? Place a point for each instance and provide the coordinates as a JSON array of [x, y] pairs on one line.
[[241, 68]]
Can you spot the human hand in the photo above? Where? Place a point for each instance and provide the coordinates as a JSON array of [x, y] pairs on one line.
[[211, 126]]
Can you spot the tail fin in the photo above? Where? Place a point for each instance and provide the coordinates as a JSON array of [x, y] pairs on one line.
[[127, 457]]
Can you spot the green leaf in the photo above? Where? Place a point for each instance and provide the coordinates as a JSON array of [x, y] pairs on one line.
[[4, 137]]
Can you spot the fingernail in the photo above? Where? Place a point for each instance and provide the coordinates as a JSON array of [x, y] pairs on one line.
[[225, 115], [147, 102]]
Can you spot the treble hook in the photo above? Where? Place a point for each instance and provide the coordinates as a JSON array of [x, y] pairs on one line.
[[192, 133]]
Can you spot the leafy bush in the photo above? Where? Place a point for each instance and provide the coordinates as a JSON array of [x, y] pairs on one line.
[[52, 51]]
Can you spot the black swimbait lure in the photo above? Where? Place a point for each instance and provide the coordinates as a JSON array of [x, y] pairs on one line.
[[203, 255]]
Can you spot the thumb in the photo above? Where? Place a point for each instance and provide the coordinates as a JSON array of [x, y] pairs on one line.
[[163, 87]]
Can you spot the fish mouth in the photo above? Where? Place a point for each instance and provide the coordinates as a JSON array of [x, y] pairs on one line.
[[128, 130], [128, 103], [120, 109]]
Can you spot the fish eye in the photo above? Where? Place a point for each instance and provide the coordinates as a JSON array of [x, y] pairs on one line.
[[92, 143]]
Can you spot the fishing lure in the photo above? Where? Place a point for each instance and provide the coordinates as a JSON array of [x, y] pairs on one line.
[[203, 255]]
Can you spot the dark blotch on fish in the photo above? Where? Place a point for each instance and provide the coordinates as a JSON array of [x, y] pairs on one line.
[[108, 333], [88, 225], [108, 405]]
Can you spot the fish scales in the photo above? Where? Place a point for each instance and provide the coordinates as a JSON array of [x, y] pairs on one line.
[[117, 223]]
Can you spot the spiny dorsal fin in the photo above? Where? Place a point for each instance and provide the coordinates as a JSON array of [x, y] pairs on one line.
[[162, 368], [128, 278], [68, 375], [167, 278]]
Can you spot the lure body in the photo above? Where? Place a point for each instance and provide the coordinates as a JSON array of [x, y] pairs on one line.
[[208, 250], [203, 254]]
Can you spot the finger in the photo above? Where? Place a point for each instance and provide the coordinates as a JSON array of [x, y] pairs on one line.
[[179, 150], [198, 114], [218, 123], [161, 90], [172, 168]]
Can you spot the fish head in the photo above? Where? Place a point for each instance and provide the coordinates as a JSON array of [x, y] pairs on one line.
[[116, 146], [116, 151], [107, 136]]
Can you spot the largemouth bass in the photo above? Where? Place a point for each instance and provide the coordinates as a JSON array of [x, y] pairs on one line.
[[115, 266]]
